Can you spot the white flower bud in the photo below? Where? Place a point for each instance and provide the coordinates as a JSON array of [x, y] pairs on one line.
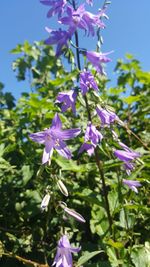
[[45, 202], [62, 188]]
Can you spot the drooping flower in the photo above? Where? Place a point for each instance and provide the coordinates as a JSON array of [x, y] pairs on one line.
[[58, 37], [107, 117], [132, 184], [92, 138], [53, 138], [63, 256], [87, 81], [57, 6], [128, 156], [68, 99], [97, 59]]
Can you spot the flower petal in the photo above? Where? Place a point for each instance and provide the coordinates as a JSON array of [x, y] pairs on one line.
[[38, 137]]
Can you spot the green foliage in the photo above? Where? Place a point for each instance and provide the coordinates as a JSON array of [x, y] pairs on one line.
[[33, 234]]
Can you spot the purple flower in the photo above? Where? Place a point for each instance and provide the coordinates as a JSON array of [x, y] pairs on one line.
[[128, 166], [63, 256], [93, 21], [97, 59], [107, 117], [93, 136], [74, 18], [87, 81], [68, 99], [126, 156], [57, 6], [82, 19], [132, 184], [60, 38], [53, 138]]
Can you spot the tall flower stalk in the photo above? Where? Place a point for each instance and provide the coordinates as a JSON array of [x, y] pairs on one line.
[[53, 138]]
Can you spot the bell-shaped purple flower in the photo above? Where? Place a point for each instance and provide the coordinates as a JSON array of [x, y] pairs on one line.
[[128, 156], [132, 184], [68, 100], [60, 38], [92, 138], [53, 138], [63, 256], [107, 117], [93, 21], [97, 59], [87, 81], [57, 7]]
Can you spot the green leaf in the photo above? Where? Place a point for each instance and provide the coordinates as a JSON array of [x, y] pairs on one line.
[[27, 174], [71, 165], [131, 99], [87, 256], [141, 255], [115, 244]]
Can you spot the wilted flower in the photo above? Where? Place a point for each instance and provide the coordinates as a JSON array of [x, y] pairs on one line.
[[53, 138], [68, 99], [63, 256], [107, 117], [57, 6], [60, 38], [87, 81], [97, 59], [132, 184], [93, 136]]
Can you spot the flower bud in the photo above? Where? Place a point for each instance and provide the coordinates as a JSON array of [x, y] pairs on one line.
[[62, 188], [45, 202], [74, 214]]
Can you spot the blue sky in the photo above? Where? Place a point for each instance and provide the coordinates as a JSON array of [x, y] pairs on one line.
[[128, 30]]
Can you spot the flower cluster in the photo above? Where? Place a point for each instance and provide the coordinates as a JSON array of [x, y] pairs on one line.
[[54, 138]]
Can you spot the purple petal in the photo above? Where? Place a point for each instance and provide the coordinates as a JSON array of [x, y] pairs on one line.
[[132, 184], [38, 137], [47, 155], [63, 150], [56, 122], [125, 156], [70, 133], [86, 147]]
